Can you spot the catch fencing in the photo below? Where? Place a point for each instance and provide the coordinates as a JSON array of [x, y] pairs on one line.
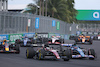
[[89, 27], [12, 22]]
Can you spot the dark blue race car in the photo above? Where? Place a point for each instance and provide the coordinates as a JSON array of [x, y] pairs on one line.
[[6, 47], [78, 52]]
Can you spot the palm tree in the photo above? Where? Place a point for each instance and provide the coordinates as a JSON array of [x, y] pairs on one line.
[[46, 8], [40, 8], [73, 11], [51, 7], [32, 7], [56, 8], [62, 9]]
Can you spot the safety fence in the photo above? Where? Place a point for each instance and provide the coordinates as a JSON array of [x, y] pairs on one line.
[[12, 22], [91, 27]]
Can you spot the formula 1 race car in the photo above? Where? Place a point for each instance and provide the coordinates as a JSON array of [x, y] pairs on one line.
[[83, 39], [96, 36], [40, 40], [6, 47], [72, 37], [54, 39], [49, 51], [78, 52], [25, 42]]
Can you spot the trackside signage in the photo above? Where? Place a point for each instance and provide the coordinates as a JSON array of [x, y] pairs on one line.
[[29, 34], [88, 15], [58, 25], [5, 36], [53, 23], [13, 37], [29, 22], [37, 23]]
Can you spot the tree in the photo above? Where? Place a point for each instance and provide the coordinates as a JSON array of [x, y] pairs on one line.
[[60, 9], [73, 11], [40, 7], [32, 7], [46, 8]]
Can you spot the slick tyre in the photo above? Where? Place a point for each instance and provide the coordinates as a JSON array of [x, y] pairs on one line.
[[17, 41], [68, 55], [30, 52], [17, 49], [76, 39], [41, 54], [91, 52], [90, 41]]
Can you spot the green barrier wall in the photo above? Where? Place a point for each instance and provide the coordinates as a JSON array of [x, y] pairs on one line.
[[13, 37]]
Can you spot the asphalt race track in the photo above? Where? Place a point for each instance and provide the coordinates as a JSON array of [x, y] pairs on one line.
[[20, 60]]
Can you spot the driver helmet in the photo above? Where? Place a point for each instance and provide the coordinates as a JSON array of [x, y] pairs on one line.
[[26, 36], [83, 35], [4, 40]]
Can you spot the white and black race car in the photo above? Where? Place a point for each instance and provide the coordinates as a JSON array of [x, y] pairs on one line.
[[49, 51], [54, 39]]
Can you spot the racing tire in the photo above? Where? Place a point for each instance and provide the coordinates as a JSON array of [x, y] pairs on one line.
[[17, 41], [76, 40], [30, 52], [17, 49], [72, 37], [0, 46], [91, 52], [11, 46], [41, 54], [68, 55], [62, 41], [90, 42]]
